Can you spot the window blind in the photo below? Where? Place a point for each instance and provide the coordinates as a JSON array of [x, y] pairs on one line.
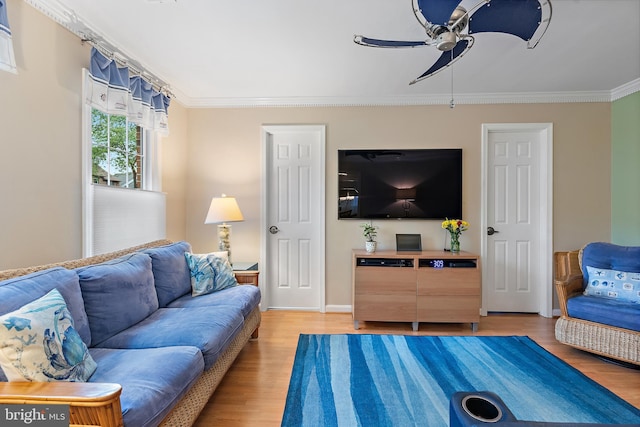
[[123, 218]]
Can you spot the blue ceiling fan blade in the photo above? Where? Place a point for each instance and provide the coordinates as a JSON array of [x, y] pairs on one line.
[[437, 11], [520, 18], [447, 58], [366, 41]]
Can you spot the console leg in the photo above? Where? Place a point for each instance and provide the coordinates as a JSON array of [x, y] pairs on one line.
[[356, 325], [414, 326], [474, 327]]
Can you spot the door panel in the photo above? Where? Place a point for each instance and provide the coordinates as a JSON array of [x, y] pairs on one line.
[[294, 210], [511, 254]]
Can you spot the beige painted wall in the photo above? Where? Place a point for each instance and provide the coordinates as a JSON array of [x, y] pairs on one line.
[[40, 134], [173, 168], [224, 156], [40, 146]]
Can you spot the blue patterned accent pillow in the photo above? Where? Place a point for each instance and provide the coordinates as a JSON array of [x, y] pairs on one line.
[[614, 284], [39, 343], [209, 273]]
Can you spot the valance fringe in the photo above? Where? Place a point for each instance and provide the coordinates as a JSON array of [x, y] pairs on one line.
[[112, 90]]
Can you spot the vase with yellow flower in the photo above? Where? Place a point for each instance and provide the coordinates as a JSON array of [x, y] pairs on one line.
[[455, 227]]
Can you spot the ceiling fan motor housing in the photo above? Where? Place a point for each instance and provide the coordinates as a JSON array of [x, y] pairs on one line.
[[446, 41]]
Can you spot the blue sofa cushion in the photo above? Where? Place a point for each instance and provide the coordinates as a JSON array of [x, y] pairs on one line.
[[14, 293], [611, 257], [153, 380], [244, 297], [606, 311], [170, 271], [211, 330], [117, 294]]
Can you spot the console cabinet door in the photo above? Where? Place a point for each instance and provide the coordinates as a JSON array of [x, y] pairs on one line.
[[448, 295], [385, 294]]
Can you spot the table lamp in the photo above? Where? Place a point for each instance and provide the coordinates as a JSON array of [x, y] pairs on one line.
[[222, 210]]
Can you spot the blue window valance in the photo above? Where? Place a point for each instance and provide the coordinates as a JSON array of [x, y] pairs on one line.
[[110, 89], [7, 58]]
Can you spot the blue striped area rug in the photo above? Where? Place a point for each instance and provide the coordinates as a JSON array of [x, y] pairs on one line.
[[391, 380]]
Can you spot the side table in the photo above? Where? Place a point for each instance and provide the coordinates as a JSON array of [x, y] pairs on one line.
[[246, 273]]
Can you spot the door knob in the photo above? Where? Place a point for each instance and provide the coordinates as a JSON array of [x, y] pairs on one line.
[[273, 229], [491, 231]]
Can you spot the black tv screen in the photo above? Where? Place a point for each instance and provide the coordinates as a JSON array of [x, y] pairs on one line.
[[395, 184]]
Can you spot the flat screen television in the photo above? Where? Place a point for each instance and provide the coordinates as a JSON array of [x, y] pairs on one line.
[[396, 184]]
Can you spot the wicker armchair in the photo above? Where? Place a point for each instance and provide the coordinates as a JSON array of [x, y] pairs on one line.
[[609, 341]]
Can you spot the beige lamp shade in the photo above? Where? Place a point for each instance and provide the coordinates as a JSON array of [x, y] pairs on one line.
[[223, 209]]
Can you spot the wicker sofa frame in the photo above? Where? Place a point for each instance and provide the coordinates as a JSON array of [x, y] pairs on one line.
[[98, 404], [604, 340]]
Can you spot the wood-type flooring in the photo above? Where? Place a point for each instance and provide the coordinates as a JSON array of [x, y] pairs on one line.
[[254, 390]]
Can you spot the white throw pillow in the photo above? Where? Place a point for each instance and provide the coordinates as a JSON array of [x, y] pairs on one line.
[[39, 343], [209, 273], [613, 284]]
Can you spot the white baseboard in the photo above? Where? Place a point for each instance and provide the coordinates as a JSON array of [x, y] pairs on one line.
[[338, 309]]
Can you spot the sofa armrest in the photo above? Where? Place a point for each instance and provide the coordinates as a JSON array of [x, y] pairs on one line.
[[568, 277], [90, 404]]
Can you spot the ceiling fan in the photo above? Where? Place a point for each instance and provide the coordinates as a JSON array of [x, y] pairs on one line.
[[449, 26]]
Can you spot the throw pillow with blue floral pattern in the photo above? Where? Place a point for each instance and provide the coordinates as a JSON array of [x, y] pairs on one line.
[[39, 343], [614, 284], [209, 273]]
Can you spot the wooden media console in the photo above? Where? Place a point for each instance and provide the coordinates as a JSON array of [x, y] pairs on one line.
[[427, 286]]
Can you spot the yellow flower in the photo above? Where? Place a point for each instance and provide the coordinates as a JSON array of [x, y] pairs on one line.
[[455, 226]]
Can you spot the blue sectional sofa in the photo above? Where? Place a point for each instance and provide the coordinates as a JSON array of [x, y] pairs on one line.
[[161, 351], [599, 294]]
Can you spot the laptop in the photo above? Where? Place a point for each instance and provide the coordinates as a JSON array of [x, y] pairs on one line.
[[408, 242]]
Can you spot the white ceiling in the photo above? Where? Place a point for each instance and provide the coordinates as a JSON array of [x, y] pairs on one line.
[[293, 52]]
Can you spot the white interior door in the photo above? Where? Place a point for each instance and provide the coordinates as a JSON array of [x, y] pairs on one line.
[[517, 212], [294, 206]]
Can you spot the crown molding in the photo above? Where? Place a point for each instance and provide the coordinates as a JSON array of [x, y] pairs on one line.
[[626, 89], [413, 100]]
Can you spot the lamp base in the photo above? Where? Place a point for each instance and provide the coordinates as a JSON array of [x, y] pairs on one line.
[[224, 230]]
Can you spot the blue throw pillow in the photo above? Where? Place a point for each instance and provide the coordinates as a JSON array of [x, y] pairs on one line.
[[613, 284], [209, 273], [38, 342]]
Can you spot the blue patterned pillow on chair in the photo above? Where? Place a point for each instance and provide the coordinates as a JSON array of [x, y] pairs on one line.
[[209, 273], [39, 343], [613, 284]]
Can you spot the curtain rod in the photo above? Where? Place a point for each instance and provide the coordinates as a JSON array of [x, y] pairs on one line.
[[70, 20]]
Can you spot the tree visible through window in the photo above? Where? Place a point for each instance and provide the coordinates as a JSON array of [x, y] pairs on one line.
[[116, 151]]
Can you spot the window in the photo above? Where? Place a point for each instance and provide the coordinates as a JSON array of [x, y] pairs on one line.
[[123, 121], [117, 151]]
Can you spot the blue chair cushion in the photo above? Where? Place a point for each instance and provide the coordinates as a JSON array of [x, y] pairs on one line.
[[606, 311], [153, 380], [170, 271], [117, 294], [243, 297], [210, 330], [611, 257]]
